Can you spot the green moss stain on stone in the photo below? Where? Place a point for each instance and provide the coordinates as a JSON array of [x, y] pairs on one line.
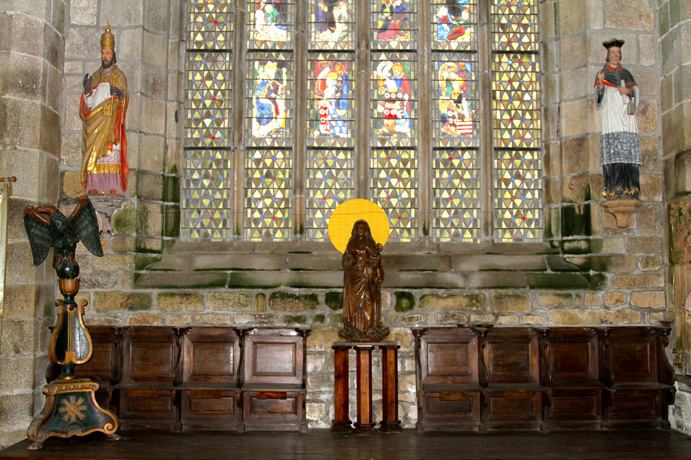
[[124, 220], [405, 301], [171, 186], [289, 301], [575, 221], [171, 225], [334, 300], [143, 261], [295, 319]]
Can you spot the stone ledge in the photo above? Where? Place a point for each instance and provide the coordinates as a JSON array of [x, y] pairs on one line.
[[265, 279], [421, 265]]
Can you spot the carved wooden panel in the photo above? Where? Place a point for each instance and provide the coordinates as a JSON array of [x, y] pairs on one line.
[[573, 356], [575, 408], [274, 410], [148, 407], [512, 356], [513, 409], [449, 356], [210, 409], [149, 354], [211, 355], [548, 378], [274, 357]]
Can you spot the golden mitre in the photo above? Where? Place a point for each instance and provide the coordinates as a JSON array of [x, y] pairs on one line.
[[107, 40]]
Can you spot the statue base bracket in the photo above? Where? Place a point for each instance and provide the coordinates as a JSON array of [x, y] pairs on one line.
[[617, 213], [71, 410]]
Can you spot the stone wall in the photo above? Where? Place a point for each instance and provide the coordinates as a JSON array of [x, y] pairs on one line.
[[587, 272], [31, 87], [674, 20]]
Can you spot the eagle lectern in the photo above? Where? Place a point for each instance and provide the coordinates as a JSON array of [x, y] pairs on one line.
[[71, 408]]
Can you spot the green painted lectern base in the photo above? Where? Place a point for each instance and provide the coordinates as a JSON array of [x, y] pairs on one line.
[[71, 410]]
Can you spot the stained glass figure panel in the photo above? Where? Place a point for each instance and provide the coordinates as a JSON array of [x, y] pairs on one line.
[[454, 24], [208, 99], [394, 186], [330, 106], [332, 24], [516, 101], [393, 24], [515, 25], [393, 100], [518, 195], [456, 196], [269, 99], [210, 25], [206, 194], [270, 24], [456, 120], [268, 188], [329, 183]]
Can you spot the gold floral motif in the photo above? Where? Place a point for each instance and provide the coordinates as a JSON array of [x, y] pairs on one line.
[[73, 409]]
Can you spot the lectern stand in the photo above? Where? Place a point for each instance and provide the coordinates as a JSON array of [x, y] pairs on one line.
[[363, 358]]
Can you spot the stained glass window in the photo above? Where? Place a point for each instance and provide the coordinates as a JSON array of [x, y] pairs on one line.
[[268, 185], [329, 183], [393, 99], [456, 131], [393, 24], [454, 24], [456, 121], [206, 180], [394, 186], [517, 139], [301, 108], [332, 24], [270, 24], [331, 92]]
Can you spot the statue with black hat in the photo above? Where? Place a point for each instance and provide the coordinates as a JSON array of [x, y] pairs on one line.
[[617, 99]]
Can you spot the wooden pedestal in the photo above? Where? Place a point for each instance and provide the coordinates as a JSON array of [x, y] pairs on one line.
[[364, 424]]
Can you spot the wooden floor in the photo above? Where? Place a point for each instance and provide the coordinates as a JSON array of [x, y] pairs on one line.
[[323, 445]]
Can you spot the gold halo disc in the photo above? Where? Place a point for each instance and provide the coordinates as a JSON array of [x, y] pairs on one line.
[[347, 213]]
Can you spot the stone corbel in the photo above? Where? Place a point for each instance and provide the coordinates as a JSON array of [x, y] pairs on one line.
[[617, 213]]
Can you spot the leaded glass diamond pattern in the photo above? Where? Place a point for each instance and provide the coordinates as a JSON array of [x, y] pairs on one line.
[[516, 101], [456, 196], [518, 195], [393, 100], [456, 122], [208, 99], [210, 25], [393, 24], [331, 91], [206, 194], [454, 24], [394, 186], [329, 183], [269, 99], [268, 188], [515, 25], [270, 24], [331, 24]]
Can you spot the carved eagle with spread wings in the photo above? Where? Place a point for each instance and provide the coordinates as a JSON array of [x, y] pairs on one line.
[[47, 227]]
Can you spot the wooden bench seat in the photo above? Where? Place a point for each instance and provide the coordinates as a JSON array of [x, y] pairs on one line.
[[478, 377]]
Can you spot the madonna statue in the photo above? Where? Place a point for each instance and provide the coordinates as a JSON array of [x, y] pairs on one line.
[[362, 278]]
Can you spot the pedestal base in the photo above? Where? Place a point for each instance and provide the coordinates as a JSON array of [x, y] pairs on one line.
[[71, 410], [364, 425], [618, 213], [364, 429], [390, 427], [342, 426]]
